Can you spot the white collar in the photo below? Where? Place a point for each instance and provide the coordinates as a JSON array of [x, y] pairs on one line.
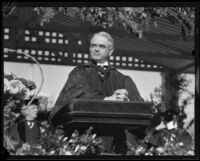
[[102, 64]]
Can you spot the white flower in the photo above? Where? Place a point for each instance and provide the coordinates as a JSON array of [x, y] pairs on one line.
[[180, 144], [65, 146], [140, 150], [172, 137], [160, 150], [42, 130], [16, 86], [68, 153], [83, 148], [190, 152], [77, 148], [73, 135], [161, 126], [70, 141], [144, 15], [172, 125], [65, 138], [52, 152], [148, 153], [26, 146], [8, 73], [93, 136]]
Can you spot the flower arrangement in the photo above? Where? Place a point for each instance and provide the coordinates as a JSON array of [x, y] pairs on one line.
[[174, 142], [167, 135], [16, 90], [51, 144]]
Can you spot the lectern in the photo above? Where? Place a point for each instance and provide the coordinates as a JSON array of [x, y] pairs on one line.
[[106, 116]]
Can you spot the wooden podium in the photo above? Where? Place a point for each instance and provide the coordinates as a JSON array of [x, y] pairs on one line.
[[107, 116]]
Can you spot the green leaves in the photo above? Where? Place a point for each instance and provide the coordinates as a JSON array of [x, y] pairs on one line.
[[131, 19]]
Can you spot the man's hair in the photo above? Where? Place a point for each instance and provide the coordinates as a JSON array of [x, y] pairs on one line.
[[106, 35], [34, 102]]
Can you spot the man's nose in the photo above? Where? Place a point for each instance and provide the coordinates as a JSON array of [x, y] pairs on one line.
[[97, 48]]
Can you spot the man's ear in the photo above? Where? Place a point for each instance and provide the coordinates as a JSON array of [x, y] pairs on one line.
[[111, 51]]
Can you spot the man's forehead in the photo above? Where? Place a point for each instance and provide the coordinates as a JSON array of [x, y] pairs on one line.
[[99, 39]]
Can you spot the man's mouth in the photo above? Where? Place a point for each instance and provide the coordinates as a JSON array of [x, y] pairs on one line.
[[97, 53]]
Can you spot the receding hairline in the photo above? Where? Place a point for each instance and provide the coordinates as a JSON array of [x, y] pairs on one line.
[[105, 35]]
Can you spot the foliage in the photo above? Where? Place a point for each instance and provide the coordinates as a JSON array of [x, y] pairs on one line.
[[164, 142], [179, 85], [16, 90], [163, 137], [134, 20], [52, 144], [8, 8], [167, 135]]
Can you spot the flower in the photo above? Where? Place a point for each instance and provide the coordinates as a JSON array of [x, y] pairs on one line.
[[68, 153], [161, 126], [190, 152], [160, 150], [52, 152], [77, 148], [15, 87], [140, 150], [16, 90], [93, 136], [180, 144], [83, 148], [172, 125]]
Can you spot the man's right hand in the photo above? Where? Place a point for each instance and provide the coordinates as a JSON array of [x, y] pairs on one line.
[[121, 92], [119, 95]]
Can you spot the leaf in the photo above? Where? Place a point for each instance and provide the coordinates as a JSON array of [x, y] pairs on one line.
[[155, 23], [77, 148]]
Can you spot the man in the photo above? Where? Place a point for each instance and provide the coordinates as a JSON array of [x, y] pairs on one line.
[[27, 129], [96, 79]]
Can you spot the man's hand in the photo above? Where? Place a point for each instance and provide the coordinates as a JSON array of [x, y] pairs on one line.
[[121, 92], [119, 95]]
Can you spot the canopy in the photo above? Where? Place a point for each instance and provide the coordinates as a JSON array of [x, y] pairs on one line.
[[160, 48]]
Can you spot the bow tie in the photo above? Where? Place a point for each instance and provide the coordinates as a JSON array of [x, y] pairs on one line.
[[31, 123], [103, 66]]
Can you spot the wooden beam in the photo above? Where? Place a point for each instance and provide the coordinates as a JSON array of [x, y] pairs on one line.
[[182, 69]]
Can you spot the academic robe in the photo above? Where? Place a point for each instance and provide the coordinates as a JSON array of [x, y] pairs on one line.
[[91, 82]]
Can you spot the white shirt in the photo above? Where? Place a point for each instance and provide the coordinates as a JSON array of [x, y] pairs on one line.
[[102, 64], [30, 124]]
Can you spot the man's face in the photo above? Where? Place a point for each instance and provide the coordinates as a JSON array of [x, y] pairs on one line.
[[100, 49], [31, 112]]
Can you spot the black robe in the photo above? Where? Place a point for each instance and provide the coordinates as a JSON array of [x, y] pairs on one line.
[[86, 82]]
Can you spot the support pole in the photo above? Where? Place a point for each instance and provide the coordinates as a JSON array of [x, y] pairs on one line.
[[170, 91]]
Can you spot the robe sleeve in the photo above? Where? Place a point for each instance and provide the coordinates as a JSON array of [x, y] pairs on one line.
[[134, 94], [75, 87]]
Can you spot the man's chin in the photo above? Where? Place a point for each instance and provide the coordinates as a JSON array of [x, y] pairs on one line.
[[96, 58]]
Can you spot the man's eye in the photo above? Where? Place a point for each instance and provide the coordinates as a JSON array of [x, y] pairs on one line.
[[102, 46], [93, 45]]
